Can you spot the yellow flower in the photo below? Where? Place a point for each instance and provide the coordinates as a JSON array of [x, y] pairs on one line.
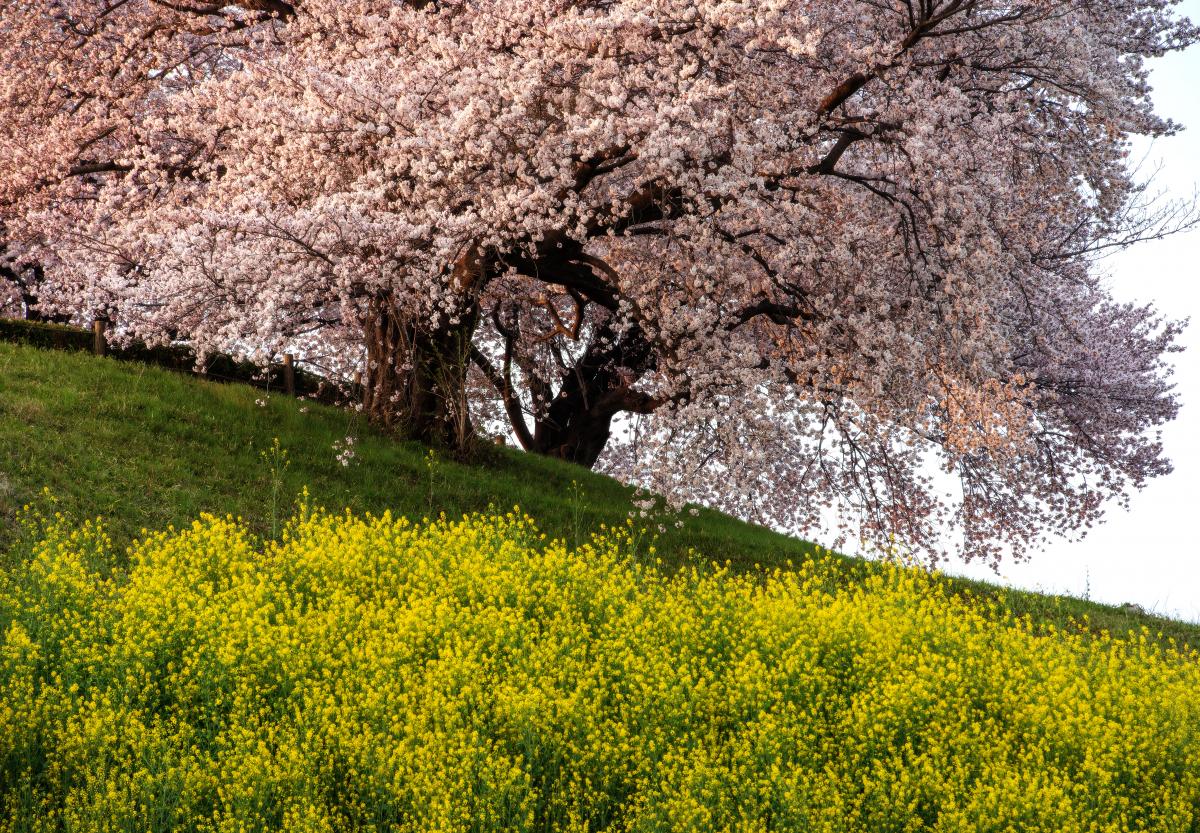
[[369, 674]]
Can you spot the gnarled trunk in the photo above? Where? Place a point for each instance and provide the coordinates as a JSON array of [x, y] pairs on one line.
[[416, 374], [578, 422]]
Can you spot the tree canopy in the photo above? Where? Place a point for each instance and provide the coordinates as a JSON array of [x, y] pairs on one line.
[[772, 255]]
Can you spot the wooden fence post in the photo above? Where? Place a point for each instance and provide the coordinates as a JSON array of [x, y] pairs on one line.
[[289, 374], [99, 343]]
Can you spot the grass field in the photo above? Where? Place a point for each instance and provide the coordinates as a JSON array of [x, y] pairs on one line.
[[146, 448]]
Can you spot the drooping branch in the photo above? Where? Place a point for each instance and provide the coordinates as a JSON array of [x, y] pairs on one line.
[[502, 382]]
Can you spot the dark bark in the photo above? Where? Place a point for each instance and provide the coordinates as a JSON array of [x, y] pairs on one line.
[[578, 422], [416, 375]]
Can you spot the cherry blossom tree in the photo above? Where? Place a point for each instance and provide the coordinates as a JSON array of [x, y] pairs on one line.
[[796, 251]]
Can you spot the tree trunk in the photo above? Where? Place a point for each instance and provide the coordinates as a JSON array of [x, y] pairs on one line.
[[415, 381], [577, 424]]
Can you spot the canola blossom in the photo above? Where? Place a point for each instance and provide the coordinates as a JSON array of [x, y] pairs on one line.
[[374, 674]]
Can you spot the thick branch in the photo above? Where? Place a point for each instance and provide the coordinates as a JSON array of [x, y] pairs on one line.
[[503, 385], [86, 168]]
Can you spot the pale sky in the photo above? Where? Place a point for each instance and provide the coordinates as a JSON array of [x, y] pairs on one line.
[[1150, 554]]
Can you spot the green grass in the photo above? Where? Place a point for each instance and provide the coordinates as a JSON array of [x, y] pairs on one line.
[[146, 448]]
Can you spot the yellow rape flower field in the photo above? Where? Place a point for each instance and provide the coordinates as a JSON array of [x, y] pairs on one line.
[[366, 673]]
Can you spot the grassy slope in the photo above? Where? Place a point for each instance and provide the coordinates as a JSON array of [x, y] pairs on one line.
[[146, 448]]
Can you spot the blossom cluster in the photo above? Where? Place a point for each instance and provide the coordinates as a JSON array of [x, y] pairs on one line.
[[469, 675]]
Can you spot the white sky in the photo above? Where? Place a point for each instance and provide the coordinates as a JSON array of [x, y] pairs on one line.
[[1150, 554]]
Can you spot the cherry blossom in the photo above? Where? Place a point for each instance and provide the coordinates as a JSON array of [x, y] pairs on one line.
[[769, 255]]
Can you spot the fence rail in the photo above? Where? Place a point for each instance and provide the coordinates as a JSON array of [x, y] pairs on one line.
[[284, 377]]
